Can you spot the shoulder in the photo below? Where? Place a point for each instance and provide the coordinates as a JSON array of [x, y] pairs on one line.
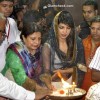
[[16, 46], [78, 40], [84, 24], [11, 20], [47, 43], [97, 53], [11, 56], [87, 41], [98, 49]]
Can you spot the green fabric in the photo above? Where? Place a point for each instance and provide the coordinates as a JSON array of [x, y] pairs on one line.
[[14, 63]]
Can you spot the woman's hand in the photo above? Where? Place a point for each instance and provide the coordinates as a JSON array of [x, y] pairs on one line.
[[63, 72], [38, 87], [55, 76], [46, 79]]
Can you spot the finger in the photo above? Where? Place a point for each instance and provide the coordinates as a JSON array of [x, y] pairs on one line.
[[56, 70], [54, 76]]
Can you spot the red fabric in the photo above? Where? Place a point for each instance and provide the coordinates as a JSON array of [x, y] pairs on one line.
[[89, 53]]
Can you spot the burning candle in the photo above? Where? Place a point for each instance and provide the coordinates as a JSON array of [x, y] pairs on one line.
[[73, 86], [59, 74], [70, 88]]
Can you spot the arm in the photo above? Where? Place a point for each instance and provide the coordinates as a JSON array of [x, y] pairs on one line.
[[63, 71], [95, 75], [46, 77], [80, 61], [11, 90], [93, 92], [46, 57], [80, 52], [95, 66], [14, 63]]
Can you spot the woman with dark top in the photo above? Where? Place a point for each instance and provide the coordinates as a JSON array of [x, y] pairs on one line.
[[63, 51]]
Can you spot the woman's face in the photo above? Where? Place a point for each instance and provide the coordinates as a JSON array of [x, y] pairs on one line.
[[6, 7], [63, 31], [33, 41]]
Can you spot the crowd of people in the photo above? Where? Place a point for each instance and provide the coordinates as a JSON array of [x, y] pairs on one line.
[[37, 42]]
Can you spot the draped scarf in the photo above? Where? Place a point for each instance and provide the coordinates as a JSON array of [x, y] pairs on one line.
[[53, 41], [31, 63]]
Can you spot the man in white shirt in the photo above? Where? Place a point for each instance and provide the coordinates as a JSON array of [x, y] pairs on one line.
[[11, 90], [8, 88], [95, 63], [94, 91], [12, 32]]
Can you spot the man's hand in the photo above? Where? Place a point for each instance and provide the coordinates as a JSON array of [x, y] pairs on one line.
[[3, 98]]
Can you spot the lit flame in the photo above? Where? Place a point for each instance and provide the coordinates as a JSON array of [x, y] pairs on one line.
[[59, 74], [65, 84], [74, 83]]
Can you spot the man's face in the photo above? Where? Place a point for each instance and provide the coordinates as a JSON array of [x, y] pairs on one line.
[[89, 12], [2, 28], [6, 7], [95, 31]]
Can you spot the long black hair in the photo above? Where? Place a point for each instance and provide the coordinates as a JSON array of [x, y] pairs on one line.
[[66, 18]]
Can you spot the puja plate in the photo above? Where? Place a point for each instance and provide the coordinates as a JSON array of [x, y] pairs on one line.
[[56, 95], [79, 93]]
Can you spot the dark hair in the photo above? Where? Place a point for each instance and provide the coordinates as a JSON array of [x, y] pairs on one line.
[[91, 2], [29, 29], [66, 18], [7, 0], [18, 8], [43, 6], [95, 19], [30, 3], [31, 16]]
